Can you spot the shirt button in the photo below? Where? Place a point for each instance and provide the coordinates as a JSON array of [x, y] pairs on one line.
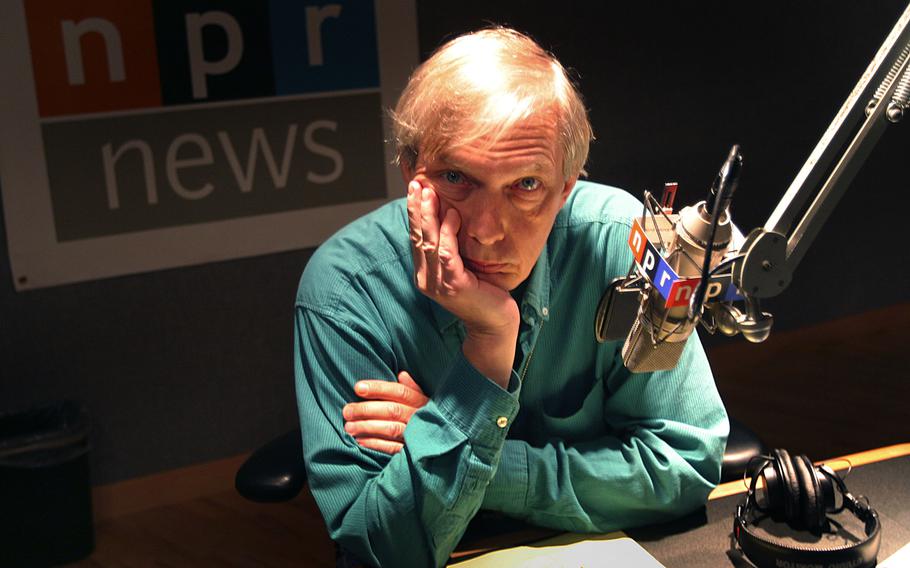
[[545, 311], [502, 421]]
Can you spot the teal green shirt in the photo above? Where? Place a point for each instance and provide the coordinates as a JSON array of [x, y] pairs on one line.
[[575, 442]]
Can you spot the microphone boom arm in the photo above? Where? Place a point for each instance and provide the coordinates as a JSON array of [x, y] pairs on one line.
[[771, 253]]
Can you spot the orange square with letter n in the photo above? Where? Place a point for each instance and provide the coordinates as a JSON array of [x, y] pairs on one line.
[[92, 56], [637, 240]]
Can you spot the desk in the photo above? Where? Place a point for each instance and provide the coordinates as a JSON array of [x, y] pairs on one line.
[[703, 539]]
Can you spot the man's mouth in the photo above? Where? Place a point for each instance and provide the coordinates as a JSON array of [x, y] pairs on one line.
[[485, 267]]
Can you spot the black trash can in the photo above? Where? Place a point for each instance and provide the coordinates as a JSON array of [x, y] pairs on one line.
[[45, 493]]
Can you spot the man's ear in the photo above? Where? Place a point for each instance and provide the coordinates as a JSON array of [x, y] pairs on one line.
[[567, 188]]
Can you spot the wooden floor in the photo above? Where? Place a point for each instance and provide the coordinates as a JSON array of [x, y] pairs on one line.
[[833, 389]]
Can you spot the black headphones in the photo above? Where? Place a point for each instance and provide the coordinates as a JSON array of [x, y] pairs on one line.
[[802, 495]]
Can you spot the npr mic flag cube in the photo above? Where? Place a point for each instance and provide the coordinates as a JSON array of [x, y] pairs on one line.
[[675, 290]]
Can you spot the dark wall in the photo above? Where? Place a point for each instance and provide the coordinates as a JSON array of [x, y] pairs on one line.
[[189, 365], [671, 86]]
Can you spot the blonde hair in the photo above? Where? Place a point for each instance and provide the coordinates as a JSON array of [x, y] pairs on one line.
[[479, 85]]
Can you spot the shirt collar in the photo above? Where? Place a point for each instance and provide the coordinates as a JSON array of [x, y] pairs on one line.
[[534, 305]]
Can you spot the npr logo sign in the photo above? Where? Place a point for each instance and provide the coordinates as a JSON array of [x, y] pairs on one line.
[[155, 115], [147, 168]]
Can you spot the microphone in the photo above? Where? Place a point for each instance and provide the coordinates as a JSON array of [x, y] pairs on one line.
[[698, 241]]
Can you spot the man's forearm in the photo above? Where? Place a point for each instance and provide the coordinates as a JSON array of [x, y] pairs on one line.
[[609, 483], [658, 455]]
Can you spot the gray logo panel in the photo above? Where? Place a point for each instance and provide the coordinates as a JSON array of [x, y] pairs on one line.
[[138, 172]]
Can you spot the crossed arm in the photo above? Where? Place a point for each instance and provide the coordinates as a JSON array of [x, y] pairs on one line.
[[411, 507]]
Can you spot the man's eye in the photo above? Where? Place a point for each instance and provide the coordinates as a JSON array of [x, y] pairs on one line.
[[453, 177], [529, 184]]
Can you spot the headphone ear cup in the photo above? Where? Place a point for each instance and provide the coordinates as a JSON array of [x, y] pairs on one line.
[[813, 513], [827, 481], [789, 484]]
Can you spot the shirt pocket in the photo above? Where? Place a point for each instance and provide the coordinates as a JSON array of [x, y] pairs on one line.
[[576, 418]]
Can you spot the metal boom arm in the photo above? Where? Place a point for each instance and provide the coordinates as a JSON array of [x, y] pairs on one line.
[[771, 253]]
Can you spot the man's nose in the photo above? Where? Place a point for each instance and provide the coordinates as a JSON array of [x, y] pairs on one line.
[[484, 222]]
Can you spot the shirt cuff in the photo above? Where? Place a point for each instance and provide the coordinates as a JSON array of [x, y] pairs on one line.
[[508, 490], [483, 410]]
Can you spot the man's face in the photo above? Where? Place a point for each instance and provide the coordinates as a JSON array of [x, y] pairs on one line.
[[507, 195]]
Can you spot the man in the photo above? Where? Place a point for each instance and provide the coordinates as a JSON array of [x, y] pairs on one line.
[[477, 293]]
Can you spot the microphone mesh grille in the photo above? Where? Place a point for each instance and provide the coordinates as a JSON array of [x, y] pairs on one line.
[[640, 356]]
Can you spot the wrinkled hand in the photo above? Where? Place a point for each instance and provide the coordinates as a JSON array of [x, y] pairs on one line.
[[378, 423], [440, 273]]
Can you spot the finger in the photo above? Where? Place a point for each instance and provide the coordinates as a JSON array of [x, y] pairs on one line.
[[380, 445], [415, 232], [407, 380], [390, 391], [384, 429], [429, 226], [449, 258], [377, 410]]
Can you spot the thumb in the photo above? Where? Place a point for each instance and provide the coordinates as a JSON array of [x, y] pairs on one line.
[[405, 378]]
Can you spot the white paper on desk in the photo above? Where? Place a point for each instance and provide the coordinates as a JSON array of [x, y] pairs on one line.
[[570, 551], [899, 559]]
